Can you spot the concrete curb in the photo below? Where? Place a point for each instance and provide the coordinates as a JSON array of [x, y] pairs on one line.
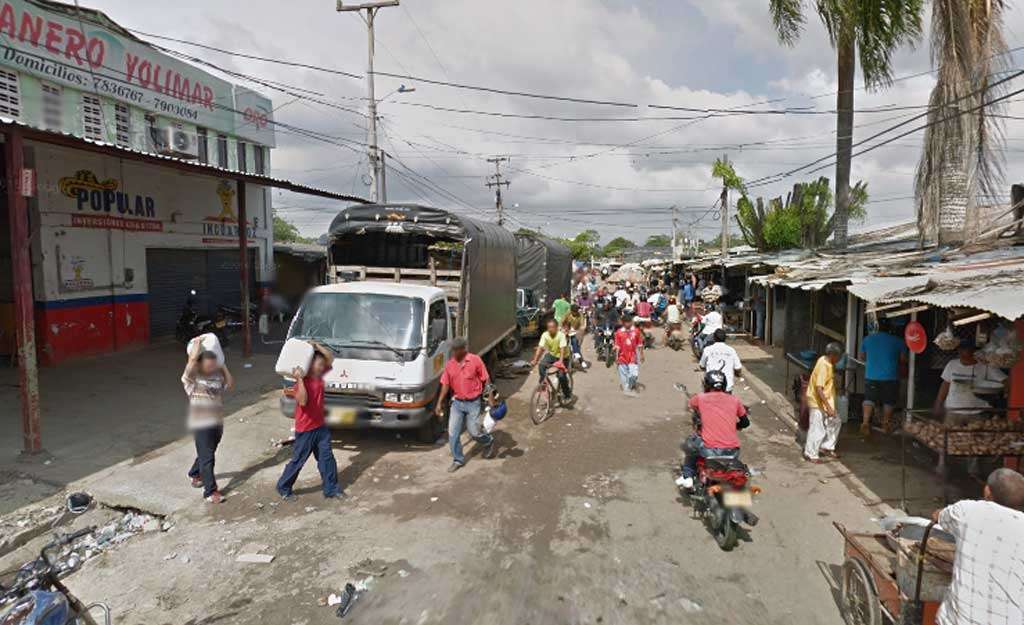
[[782, 408]]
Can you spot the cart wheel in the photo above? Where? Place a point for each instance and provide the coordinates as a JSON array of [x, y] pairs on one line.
[[860, 599]]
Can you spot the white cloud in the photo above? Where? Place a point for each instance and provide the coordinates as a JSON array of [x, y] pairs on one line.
[[642, 52]]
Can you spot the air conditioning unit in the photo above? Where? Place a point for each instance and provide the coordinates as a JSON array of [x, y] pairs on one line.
[[173, 139]]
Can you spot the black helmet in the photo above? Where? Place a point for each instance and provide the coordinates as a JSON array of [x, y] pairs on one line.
[[715, 379]]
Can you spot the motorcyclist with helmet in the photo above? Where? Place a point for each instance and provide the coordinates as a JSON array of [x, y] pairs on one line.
[[717, 419]]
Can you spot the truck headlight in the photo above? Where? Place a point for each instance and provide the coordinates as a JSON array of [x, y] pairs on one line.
[[407, 399]]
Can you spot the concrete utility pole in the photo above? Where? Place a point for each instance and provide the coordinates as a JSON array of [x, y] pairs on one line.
[[371, 9], [675, 225], [725, 219], [496, 182]]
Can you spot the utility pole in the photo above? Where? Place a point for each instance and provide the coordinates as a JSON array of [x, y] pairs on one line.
[[496, 182], [675, 226], [725, 220], [371, 9]]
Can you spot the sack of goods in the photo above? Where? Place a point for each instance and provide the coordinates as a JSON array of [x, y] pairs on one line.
[[1002, 349], [947, 340], [294, 353], [209, 343]]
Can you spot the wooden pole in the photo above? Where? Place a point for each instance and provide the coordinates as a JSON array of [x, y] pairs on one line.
[[243, 251], [21, 271]]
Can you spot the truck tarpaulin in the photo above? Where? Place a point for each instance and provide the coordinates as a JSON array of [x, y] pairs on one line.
[[544, 266], [399, 235]]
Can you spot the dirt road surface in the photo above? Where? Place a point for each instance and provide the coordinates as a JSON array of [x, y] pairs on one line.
[[576, 521]]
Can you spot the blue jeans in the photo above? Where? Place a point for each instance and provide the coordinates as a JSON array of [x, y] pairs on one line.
[[465, 414], [628, 375], [690, 462], [759, 323], [574, 344], [318, 443]]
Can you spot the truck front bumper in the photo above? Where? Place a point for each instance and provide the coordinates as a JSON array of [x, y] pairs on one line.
[[365, 417]]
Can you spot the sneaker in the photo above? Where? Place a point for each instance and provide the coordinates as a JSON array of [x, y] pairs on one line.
[[197, 482], [455, 466], [490, 451], [630, 393], [339, 496], [684, 482], [216, 497], [288, 496]]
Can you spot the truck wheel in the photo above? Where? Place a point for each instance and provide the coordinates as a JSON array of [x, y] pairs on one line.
[[512, 344]]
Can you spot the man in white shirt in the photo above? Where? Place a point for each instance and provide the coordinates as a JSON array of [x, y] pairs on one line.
[[959, 380], [621, 297], [721, 357], [712, 321], [988, 583]]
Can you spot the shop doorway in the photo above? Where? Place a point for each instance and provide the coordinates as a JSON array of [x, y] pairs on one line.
[[213, 274]]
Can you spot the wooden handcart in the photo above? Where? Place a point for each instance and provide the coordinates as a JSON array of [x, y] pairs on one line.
[[899, 579]]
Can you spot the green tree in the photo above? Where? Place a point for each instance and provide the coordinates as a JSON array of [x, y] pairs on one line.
[[802, 220], [866, 30], [658, 240], [286, 232], [617, 245], [583, 245], [960, 160]]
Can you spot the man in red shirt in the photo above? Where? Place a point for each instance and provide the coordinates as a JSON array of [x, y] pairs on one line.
[[721, 416], [466, 377], [312, 436], [629, 353]]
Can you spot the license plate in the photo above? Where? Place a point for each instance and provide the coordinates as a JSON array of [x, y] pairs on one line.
[[737, 499], [342, 416], [220, 323]]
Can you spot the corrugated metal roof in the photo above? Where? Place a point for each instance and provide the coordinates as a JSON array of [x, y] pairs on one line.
[[41, 134]]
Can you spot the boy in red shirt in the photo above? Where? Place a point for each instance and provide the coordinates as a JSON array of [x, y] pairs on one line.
[[629, 353], [312, 436]]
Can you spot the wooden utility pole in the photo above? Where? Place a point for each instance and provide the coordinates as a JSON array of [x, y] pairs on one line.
[[495, 180]]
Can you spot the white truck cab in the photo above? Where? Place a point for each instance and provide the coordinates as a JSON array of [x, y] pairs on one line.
[[391, 342]]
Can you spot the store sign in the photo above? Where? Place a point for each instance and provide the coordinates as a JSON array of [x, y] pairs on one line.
[[224, 227], [916, 337], [82, 55], [101, 204]]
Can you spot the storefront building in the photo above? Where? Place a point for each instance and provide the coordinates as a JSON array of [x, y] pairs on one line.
[[117, 242]]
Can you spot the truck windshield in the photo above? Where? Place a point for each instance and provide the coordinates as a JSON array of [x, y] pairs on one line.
[[362, 321]]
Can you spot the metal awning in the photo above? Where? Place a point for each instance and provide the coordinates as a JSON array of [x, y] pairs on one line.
[[54, 137]]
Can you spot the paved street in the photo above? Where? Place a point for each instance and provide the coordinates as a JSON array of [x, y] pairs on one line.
[[576, 521]]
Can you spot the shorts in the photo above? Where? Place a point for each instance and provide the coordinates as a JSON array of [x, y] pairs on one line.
[[884, 392]]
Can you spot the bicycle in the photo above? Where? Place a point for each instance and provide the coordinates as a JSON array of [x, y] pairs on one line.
[[548, 394]]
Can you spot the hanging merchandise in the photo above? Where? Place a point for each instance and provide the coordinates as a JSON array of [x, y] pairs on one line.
[[947, 340], [1003, 348], [916, 337]]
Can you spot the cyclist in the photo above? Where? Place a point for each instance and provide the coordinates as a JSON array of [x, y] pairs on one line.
[[553, 346], [574, 326]]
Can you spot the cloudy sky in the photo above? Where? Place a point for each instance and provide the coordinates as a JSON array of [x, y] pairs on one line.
[[616, 169]]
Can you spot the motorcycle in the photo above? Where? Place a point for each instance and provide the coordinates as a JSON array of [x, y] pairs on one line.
[[676, 340], [604, 344], [697, 340], [233, 316], [722, 494], [38, 597], [191, 324]]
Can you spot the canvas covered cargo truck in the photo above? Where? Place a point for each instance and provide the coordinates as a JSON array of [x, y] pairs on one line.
[[544, 272], [404, 280]]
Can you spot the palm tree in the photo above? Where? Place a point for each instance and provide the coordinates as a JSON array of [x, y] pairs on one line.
[[868, 30], [960, 160]]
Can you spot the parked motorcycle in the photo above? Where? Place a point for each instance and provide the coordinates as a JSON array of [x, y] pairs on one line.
[[234, 318], [722, 494], [37, 597], [191, 324]]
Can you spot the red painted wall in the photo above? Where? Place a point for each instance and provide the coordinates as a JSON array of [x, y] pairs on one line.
[[76, 328]]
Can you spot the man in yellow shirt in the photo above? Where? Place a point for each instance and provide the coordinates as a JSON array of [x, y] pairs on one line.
[[553, 346], [821, 398]]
